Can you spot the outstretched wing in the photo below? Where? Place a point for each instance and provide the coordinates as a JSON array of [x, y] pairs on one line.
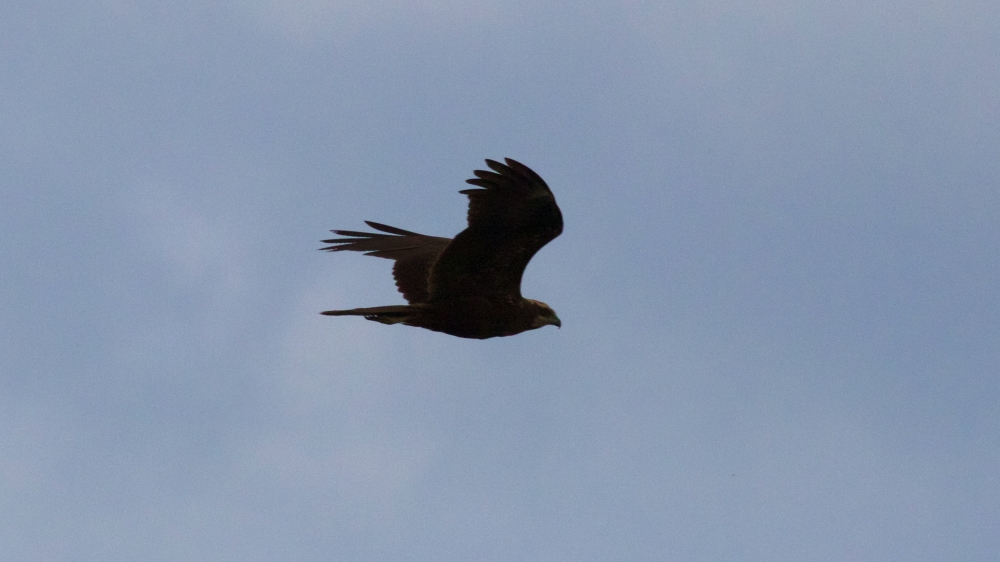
[[510, 219], [414, 254]]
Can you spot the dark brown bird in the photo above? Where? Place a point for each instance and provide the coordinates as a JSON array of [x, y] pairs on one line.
[[469, 286]]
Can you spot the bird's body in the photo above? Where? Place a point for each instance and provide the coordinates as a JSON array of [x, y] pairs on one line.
[[469, 286]]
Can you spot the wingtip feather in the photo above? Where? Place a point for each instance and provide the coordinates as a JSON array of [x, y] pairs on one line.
[[390, 229]]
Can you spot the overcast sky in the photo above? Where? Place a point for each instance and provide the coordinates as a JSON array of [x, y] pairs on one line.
[[778, 281]]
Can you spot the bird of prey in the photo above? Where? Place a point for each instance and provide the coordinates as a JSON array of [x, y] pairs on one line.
[[468, 286]]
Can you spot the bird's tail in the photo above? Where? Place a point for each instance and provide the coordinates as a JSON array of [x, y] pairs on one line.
[[392, 314]]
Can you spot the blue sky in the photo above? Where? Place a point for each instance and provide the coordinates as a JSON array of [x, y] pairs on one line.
[[778, 281]]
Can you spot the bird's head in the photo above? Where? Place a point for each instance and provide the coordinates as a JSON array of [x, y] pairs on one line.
[[544, 316]]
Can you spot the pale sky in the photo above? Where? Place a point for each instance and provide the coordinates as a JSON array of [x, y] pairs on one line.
[[778, 282]]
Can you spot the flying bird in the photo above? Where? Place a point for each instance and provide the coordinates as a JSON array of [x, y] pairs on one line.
[[468, 286]]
